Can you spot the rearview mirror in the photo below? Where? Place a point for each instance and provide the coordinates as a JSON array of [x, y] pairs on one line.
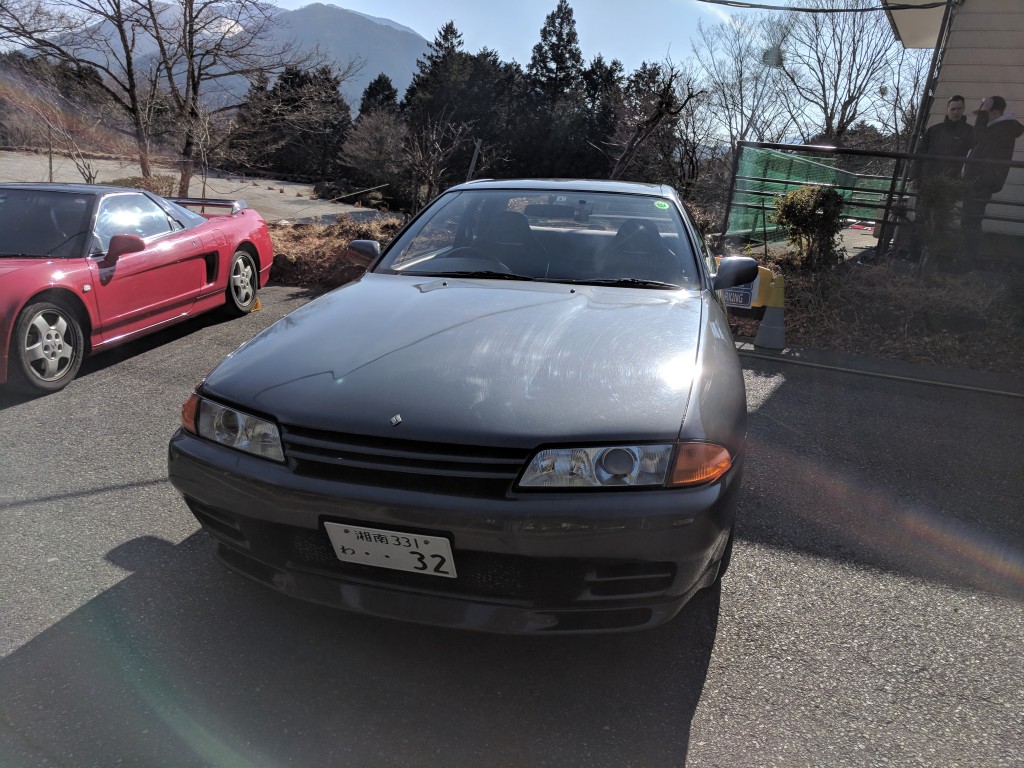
[[122, 244], [733, 271]]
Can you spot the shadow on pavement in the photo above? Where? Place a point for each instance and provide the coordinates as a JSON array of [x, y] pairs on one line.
[[185, 664], [905, 477]]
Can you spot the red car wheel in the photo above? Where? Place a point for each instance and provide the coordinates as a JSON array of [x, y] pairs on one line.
[[47, 347]]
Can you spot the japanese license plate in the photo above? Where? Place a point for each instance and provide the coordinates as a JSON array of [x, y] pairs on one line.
[[429, 555]]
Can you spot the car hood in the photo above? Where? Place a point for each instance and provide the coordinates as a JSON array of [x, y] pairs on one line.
[[474, 361]]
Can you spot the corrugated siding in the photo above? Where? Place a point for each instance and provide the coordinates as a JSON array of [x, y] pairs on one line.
[[984, 56]]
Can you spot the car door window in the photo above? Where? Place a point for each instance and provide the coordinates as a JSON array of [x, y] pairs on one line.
[[129, 214]]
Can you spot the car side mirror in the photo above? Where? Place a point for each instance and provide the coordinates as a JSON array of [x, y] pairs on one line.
[[122, 244], [368, 248], [733, 271]]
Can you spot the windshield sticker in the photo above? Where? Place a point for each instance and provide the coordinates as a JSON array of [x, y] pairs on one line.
[[661, 204]]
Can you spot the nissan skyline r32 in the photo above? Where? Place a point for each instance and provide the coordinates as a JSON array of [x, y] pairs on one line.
[[85, 267], [527, 416]]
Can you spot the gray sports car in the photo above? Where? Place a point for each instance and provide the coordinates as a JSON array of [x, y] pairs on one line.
[[527, 416]]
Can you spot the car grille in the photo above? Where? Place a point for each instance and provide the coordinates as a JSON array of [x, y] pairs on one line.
[[463, 470], [498, 577], [509, 577], [504, 576]]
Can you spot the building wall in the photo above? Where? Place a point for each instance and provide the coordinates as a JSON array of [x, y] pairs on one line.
[[984, 56]]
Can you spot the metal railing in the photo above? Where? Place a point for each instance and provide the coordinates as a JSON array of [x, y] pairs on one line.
[[880, 198]]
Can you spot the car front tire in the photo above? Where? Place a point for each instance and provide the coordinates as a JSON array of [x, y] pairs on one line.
[[47, 348], [243, 282], [723, 563]]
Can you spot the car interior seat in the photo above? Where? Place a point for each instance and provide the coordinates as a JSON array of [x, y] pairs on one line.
[[509, 239], [638, 251]]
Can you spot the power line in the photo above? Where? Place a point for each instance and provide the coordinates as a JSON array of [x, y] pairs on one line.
[[748, 6]]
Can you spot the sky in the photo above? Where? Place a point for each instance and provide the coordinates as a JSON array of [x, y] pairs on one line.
[[632, 31]]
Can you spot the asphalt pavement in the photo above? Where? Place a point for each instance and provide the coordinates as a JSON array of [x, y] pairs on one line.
[[873, 614]]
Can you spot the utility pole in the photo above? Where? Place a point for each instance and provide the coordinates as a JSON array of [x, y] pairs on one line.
[[472, 164]]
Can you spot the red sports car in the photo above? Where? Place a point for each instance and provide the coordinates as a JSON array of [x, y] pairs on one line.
[[85, 267]]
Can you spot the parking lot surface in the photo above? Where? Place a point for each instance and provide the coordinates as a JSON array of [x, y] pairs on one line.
[[276, 200], [873, 614]]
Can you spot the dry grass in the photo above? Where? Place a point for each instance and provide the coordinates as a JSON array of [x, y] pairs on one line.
[[316, 256], [971, 321]]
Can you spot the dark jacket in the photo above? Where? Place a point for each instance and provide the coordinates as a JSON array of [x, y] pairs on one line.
[[954, 138], [992, 141]]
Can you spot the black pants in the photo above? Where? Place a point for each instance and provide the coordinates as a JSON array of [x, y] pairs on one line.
[[970, 222]]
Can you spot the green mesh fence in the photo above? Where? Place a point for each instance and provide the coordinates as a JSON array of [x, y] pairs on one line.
[[761, 174]]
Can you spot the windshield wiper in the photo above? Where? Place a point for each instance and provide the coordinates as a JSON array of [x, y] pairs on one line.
[[23, 255], [631, 282], [65, 241]]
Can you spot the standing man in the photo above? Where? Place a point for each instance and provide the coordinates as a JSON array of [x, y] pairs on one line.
[[953, 137], [995, 133]]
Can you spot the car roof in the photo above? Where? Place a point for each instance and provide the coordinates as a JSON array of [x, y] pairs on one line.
[[78, 189], [573, 185]]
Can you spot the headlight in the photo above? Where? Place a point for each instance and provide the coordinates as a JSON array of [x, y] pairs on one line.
[[614, 465], [237, 430], [668, 464]]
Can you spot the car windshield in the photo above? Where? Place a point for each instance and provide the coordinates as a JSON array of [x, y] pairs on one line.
[[564, 236], [43, 222]]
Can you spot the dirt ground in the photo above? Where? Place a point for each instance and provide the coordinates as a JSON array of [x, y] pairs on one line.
[[275, 200]]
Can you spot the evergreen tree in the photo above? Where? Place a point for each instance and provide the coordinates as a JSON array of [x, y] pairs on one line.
[[297, 126], [379, 94], [556, 66], [603, 101], [440, 81], [251, 143], [463, 97], [553, 138]]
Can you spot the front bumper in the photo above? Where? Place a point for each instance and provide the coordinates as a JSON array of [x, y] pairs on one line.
[[537, 562]]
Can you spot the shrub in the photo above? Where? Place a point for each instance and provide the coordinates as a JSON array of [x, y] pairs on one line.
[[812, 218], [165, 186]]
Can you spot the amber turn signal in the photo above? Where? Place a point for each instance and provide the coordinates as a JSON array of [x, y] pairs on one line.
[[190, 413], [699, 463]]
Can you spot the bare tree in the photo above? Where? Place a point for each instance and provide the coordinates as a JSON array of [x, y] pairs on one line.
[[84, 34], [429, 150], [898, 101], [69, 124], [177, 52], [739, 64], [375, 144], [695, 143], [836, 63], [203, 43], [661, 92]]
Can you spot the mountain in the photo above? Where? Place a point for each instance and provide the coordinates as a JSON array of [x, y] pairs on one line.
[[380, 44]]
